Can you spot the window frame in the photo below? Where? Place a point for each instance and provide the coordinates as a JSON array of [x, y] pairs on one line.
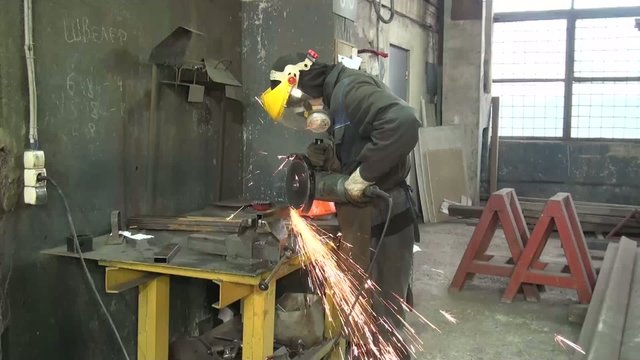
[[571, 16]]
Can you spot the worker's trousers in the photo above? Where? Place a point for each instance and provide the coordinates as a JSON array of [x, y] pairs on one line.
[[361, 229]]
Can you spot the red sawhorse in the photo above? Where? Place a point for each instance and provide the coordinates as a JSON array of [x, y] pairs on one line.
[[502, 208], [559, 211]]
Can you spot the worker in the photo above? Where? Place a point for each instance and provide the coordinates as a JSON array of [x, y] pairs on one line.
[[372, 132]]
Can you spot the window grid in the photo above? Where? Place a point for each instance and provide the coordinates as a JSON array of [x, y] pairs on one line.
[[530, 109], [529, 49], [530, 78], [606, 110], [607, 47]]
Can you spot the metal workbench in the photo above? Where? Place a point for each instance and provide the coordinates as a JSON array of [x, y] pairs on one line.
[[130, 265]]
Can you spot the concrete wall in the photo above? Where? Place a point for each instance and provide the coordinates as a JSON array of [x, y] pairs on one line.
[[465, 101], [272, 29], [414, 28], [596, 171], [94, 83]]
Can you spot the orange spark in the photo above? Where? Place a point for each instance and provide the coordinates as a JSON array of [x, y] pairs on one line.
[[236, 213], [449, 317], [337, 279], [562, 341], [283, 163]]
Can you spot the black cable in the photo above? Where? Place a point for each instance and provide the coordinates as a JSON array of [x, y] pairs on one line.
[[392, 12], [84, 265], [382, 194]]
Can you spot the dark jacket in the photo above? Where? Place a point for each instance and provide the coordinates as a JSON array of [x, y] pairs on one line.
[[373, 129]]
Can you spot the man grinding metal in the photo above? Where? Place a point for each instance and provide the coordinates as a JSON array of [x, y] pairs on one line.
[[373, 133]]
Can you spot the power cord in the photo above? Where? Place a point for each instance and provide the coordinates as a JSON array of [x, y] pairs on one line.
[[374, 190], [84, 265], [377, 5]]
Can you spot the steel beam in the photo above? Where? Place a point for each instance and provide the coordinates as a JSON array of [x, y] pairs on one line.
[[332, 328], [258, 317], [153, 320], [564, 14], [117, 280], [607, 339], [230, 293]]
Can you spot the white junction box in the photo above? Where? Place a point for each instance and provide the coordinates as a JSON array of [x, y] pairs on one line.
[[33, 159], [35, 195], [31, 177], [35, 190]]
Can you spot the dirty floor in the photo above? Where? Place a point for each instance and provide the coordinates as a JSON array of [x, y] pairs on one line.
[[487, 329]]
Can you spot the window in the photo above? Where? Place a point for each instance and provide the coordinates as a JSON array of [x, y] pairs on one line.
[[531, 108], [547, 91], [529, 5], [586, 4], [607, 47], [606, 110], [529, 49]]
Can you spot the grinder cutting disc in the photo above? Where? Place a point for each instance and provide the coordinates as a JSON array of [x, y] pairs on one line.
[[299, 183]]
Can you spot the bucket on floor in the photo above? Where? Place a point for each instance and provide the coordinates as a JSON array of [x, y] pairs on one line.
[[299, 318]]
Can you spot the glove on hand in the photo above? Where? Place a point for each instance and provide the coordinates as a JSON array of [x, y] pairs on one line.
[[322, 156], [355, 186]]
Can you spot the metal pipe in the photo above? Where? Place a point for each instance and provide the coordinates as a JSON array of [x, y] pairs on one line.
[[31, 74], [221, 136], [152, 146]]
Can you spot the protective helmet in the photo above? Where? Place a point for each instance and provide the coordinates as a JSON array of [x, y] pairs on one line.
[[286, 104]]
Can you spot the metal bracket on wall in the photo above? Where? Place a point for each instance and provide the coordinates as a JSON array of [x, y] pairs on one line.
[[116, 225], [184, 50]]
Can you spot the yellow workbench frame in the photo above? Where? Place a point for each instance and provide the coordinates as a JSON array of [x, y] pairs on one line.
[[258, 307]]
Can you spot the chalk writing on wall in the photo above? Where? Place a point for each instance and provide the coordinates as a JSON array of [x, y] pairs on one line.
[[81, 30], [90, 97]]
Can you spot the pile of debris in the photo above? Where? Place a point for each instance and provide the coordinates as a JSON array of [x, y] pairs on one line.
[[611, 328]]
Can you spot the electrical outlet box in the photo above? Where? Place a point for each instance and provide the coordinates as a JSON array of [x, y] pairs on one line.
[[33, 159], [35, 195], [31, 177]]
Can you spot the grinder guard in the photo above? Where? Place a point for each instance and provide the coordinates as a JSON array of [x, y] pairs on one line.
[[304, 184]]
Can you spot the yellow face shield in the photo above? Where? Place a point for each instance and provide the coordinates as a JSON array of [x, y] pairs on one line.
[[276, 100]]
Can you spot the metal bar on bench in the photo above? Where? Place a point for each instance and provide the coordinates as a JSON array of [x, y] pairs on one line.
[[166, 254]]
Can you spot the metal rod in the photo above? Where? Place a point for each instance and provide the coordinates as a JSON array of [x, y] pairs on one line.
[[221, 138], [264, 284], [493, 152], [622, 223], [606, 78], [520, 80], [152, 146], [31, 74], [568, 71], [565, 14]]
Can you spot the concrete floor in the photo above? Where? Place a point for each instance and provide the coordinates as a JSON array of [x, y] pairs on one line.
[[486, 329]]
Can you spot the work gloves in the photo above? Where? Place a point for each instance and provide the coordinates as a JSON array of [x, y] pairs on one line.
[[355, 186], [323, 157]]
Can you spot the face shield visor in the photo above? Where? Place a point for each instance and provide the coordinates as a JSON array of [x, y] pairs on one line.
[[288, 105], [299, 114]]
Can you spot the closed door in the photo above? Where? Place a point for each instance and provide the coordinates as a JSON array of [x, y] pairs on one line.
[[399, 71]]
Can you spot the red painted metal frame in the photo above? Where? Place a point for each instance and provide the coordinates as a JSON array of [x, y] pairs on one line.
[[502, 208], [560, 212]]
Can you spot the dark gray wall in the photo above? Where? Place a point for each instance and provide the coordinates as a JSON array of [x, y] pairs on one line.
[[94, 85], [272, 29], [597, 171]]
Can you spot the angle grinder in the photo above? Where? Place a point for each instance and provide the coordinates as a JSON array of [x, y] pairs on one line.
[[304, 184]]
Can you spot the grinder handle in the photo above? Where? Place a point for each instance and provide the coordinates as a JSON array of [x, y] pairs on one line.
[[374, 191]]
